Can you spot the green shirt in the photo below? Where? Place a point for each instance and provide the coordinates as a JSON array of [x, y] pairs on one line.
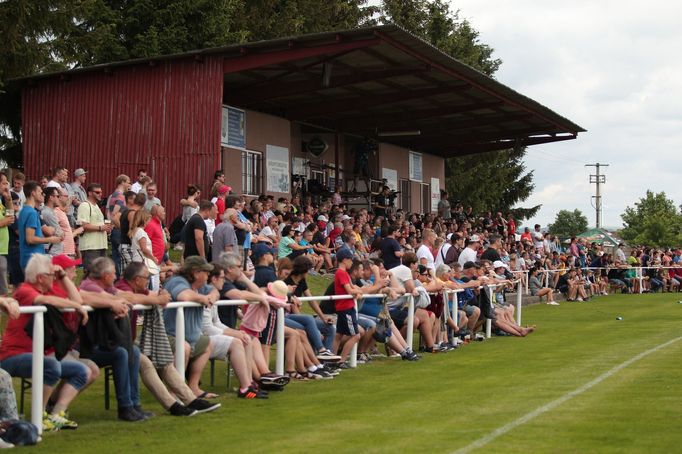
[[91, 214], [285, 246], [4, 233]]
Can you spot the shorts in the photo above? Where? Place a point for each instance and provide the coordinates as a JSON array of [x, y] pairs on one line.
[[468, 310], [347, 323], [267, 336], [436, 306], [198, 349], [221, 345], [366, 322], [399, 315]]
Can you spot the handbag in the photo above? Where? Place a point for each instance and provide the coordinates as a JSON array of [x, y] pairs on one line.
[[383, 329]]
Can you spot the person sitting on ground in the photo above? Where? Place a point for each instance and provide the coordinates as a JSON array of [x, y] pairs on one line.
[[16, 350], [537, 289], [157, 368], [191, 284]]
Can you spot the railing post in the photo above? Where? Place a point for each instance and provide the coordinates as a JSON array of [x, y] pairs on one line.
[[180, 341], [410, 321], [640, 278], [518, 302], [353, 360], [488, 322], [279, 363], [37, 371], [446, 313], [525, 282]]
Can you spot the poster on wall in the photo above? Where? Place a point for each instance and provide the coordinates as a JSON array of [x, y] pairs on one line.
[[301, 166], [277, 159], [435, 194], [391, 176], [233, 128], [415, 163]]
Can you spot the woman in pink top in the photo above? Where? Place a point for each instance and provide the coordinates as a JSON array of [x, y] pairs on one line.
[[60, 211]]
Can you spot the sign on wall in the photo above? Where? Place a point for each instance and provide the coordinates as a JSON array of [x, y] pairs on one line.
[[233, 128], [415, 164], [391, 176], [277, 159], [435, 194]]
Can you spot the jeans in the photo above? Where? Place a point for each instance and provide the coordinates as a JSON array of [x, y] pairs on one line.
[[72, 372], [126, 373], [307, 323], [115, 238]]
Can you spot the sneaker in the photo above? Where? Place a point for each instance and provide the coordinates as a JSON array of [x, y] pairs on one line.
[[177, 409], [129, 414], [480, 337], [329, 370], [49, 425], [360, 359], [332, 366], [320, 374], [344, 365], [580, 299], [64, 422], [410, 356], [553, 303], [274, 378], [146, 414], [203, 406], [326, 355], [251, 393]]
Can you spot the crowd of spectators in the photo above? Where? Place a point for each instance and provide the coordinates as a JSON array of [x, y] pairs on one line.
[[262, 250]]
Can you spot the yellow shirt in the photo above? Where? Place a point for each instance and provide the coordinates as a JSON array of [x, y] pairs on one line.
[[91, 214]]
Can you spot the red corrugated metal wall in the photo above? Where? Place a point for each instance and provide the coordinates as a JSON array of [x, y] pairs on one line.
[[163, 118]]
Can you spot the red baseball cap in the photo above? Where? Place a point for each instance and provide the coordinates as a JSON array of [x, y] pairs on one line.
[[65, 261]]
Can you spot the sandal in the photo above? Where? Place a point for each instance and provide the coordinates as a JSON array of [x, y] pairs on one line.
[[295, 375]]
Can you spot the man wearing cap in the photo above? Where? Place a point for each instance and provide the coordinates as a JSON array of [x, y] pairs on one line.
[[191, 284], [347, 332], [78, 187], [469, 253]]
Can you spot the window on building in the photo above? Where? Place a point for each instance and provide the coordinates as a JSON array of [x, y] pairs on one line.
[[252, 172], [405, 194], [426, 198]]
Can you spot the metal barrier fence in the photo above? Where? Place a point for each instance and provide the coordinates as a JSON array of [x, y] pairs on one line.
[[38, 346]]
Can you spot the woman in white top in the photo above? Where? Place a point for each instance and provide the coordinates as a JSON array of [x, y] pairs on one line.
[[142, 246]]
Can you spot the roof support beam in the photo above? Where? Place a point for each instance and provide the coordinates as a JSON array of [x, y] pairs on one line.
[[496, 146], [251, 61], [250, 97], [453, 73], [324, 107]]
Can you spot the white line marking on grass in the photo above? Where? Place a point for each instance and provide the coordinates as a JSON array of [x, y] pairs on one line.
[[555, 403]]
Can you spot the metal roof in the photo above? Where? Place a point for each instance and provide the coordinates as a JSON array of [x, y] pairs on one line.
[[379, 82]]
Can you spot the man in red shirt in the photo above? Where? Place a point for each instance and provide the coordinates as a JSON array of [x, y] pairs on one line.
[[155, 231], [347, 331], [16, 349]]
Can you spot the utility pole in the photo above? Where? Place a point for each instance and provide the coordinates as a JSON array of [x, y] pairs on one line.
[[597, 179]]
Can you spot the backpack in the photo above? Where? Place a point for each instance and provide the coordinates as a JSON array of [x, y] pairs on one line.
[[328, 307]]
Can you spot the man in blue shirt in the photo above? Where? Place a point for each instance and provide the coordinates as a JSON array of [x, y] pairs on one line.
[[191, 285], [31, 238]]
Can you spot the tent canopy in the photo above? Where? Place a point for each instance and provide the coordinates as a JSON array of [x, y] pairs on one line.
[[599, 236]]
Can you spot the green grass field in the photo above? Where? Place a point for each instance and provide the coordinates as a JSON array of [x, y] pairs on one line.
[[447, 401]]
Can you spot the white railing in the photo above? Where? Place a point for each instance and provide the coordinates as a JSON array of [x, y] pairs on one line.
[[352, 360]]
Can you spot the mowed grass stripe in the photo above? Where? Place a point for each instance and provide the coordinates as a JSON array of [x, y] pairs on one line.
[[439, 404]]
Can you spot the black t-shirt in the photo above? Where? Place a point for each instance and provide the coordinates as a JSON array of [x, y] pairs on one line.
[[301, 287], [228, 314], [491, 254], [125, 225], [264, 275], [318, 238], [383, 201], [388, 247], [563, 281], [196, 222]]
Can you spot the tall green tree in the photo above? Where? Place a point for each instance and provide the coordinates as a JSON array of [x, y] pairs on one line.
[[568, 223], [653, 221], [495, 181]]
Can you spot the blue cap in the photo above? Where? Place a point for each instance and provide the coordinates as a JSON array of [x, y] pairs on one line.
[[344, 253], [260, 249]]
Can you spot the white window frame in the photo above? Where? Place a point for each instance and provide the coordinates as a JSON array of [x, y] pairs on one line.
[[248, 180]]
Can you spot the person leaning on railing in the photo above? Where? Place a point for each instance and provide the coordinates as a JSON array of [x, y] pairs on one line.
[[16, 351]]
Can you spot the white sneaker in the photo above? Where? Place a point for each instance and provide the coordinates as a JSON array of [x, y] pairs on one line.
[[553, 303], [580, 299], [604, 292]]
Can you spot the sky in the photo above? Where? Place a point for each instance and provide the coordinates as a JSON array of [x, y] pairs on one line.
[[612, 67]]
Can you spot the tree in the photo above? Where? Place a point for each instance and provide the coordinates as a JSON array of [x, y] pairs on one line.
[[653, 221], [568, 223]]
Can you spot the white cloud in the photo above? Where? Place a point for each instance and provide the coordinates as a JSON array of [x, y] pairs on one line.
[[610, 66]]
